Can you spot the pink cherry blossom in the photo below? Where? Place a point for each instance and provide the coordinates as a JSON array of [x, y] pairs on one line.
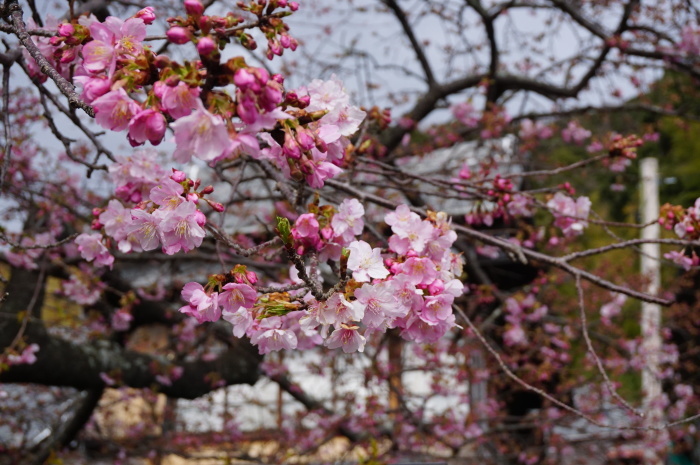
[[115, 220], [79, 292], [121, 319], [419, 270], [201, 134], [180, 229], [378, 304], [348, 222], [348, 338], [465, 114], [614, 307], [202, 305], [365, 262], [147, 125], [317, 169], [115, 109], [237, 295], [274, 339], [680, 259], [145, 227], [575, 133], [437, 308], [167, 194], [91, 248], [570, 215], [98, 56], [93, 86], [241, 320], [421, 332], [27, 357], [337, 310], [179, 100]]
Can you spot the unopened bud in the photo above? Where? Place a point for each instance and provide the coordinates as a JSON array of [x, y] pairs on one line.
[[66, 30], [251, 277], [178, 35], [178, 176], [148, 15], [200, 218], [205, 46], [162, 61], [194, 7], [217, 206]]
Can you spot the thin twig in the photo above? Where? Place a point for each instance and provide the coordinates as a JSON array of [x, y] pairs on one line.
[[529, 387], [594, 354], [63, 85], [7, 151]]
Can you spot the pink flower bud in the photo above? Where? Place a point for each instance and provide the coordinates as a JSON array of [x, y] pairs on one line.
[[251, 277], [66, 30], [327, 233], [244, 79], [207, 190], [294, 6], [192, 197], [162, 61], [194, 7], [217, 206], [178, 35], [285, 41], [200, 218], [68, 55], [95, 225], [205, 46], [178, 176], [305, 139], [290, 147], [148, 15], [436, 287], [274, 46]]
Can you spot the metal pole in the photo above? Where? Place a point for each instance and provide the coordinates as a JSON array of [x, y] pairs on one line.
[[651, 313]]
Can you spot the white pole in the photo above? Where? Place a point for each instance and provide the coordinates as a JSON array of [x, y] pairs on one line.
[[651, 313]]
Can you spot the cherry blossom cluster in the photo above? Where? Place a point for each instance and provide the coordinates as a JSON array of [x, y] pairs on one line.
[[314, 152], [209, 31], [131, 88], [167, 215], [570, 215], [26, 357], [228, 293], [82, 288], [493, 120], [575, 133], [410, 286], [686, 224], [517, 312]]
